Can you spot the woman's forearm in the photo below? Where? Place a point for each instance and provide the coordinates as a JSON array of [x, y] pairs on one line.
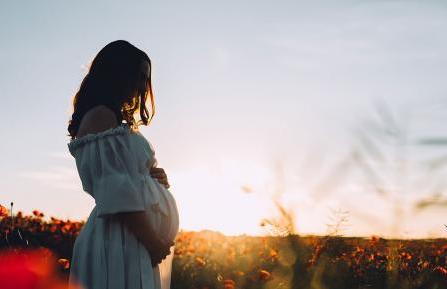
[[140, 226]]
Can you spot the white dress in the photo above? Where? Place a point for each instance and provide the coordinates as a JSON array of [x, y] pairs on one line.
[[106, 255]]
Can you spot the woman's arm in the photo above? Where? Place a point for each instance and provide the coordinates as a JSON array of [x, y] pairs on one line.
[[139, 225]]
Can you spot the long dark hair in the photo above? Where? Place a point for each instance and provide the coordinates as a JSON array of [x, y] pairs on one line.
[[113, 77]]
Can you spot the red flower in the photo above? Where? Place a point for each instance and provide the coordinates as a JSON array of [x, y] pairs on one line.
[[29, 269]]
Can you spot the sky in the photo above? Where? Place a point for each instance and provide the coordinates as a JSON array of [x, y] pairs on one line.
[[257, 103]]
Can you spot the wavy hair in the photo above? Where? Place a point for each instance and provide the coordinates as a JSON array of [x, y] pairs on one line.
[[112, 80]]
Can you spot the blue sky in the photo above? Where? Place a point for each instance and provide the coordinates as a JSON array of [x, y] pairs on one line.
[[248, 93]]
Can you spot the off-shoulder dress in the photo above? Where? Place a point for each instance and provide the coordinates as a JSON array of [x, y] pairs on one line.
[[112, 166]]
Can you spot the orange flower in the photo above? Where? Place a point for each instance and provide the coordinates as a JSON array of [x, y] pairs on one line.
[[273, 254], [3, 211], [441, 270], [64, 263], [229, 284], [55, 221], [264, 275], [200, 261], [66, 228]]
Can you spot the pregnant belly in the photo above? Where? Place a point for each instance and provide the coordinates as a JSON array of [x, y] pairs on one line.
[[166, 225]]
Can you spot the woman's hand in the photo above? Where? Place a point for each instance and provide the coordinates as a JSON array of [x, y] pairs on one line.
[[159, 250], [160, 175]]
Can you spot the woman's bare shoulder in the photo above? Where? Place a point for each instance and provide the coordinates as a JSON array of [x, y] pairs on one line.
[[97, 119]]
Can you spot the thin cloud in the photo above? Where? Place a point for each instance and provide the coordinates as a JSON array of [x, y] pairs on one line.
[[56, 176]]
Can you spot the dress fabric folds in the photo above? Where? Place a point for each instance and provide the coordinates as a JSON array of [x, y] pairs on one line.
[[113, 169]]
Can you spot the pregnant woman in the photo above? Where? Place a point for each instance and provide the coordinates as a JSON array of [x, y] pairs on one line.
[[127, 241]]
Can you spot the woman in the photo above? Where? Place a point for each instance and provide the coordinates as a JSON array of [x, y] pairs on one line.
[[127, 240]]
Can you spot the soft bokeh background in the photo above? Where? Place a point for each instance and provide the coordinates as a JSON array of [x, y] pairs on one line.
[[333, 108]]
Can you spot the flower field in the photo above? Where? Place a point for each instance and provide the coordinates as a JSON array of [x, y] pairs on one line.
[[209, 259]]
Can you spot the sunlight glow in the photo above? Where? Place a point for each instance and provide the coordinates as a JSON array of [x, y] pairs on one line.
[[217, 199]]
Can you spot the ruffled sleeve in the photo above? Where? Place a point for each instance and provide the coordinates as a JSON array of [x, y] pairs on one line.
[[111, 164]]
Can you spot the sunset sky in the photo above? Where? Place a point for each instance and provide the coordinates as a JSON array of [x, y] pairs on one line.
[[255, 101]]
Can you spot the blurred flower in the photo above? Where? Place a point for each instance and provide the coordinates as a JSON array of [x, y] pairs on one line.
[[229, 284], [66, 228], [441, 270], [64, 263], [3, 211], [200, 261], [264, 275], [29, 269]]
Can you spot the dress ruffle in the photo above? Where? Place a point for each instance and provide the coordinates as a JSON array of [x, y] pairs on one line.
[[74, 144]]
